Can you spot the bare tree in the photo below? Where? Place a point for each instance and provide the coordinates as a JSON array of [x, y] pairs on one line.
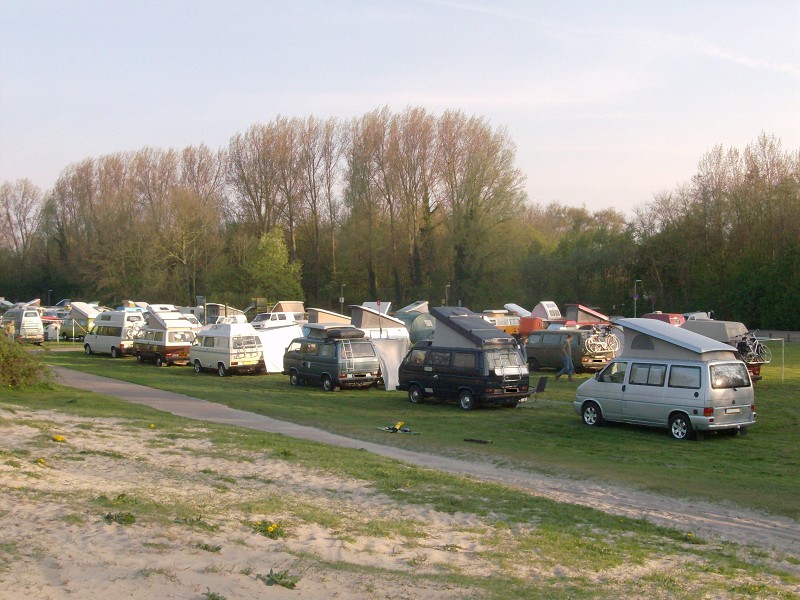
[[20, 212]]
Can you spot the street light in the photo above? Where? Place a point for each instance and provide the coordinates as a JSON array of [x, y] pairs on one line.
[[635, 295], [447, 295]]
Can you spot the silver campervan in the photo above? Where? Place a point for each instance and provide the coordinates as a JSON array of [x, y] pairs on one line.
[[673, 378]]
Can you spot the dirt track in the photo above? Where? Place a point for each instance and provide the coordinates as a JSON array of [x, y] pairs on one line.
[[705, 519]]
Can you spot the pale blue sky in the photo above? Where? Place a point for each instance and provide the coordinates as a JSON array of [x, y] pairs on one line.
[[608, 103]]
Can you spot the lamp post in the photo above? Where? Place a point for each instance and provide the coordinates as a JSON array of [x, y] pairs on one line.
[[447, 295], [48, 297], [341, 300], [635, 295]]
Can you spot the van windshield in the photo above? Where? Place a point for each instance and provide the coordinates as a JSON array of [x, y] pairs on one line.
[[729, 375]]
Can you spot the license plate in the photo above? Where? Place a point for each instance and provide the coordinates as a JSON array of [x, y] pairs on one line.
[[732, 411]]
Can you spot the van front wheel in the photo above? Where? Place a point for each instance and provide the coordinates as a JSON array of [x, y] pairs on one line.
[[415, 394], [294, 378], [466, 400], [198, 367], [680, 427], [87, 348], [592, 415]]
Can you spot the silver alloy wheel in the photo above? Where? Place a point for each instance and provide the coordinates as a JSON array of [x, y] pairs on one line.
[[591, 414], [679, 427]]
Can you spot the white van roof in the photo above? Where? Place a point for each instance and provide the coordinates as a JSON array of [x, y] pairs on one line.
[[228, 330]]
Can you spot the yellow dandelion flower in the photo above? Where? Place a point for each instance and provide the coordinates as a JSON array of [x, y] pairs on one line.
[[152, 425], [41, 461], [258, 522], [58, 438]]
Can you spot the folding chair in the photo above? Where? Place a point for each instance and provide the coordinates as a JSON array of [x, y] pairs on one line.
[[539, 391]]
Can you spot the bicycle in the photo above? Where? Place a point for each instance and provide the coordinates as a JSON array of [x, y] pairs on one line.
[[601, 340], [752, 350]]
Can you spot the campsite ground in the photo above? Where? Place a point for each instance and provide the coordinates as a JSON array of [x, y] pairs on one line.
[[352, 525]]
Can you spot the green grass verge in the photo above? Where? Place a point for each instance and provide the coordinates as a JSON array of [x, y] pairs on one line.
[[760, 471]]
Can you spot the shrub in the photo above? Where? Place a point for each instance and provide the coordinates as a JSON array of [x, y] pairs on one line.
[[19, 368]]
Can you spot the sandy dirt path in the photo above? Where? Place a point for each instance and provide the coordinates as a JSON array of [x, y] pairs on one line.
[[706, 519]]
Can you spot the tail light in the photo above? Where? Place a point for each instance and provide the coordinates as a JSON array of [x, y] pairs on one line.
[[708, 411]]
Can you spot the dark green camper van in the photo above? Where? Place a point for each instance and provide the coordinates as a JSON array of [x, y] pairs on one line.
[[469, 360], [333, 356]]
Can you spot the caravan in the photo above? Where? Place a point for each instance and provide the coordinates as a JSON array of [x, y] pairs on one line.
[[113, 333]]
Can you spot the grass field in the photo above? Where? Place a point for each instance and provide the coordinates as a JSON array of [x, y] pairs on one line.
[[760, 471]]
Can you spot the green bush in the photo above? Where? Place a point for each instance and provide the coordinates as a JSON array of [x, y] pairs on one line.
[[19, 368]]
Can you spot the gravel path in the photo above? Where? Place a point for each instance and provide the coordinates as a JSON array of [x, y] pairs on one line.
[[704, 519]]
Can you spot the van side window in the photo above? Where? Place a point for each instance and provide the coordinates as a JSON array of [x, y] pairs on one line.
[[208, 342], [115, 331], [646, 374], [464, 360], [439, 358], [417, 357], [534, 338], [293, 347], [684, 377], [309, 348], [326, 350], [158, 336], [614, 373]]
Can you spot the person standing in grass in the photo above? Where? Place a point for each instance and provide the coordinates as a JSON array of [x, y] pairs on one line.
[[567, 366]]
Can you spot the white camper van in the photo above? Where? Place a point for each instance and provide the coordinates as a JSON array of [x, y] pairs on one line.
[[27, 322], [113, 333], [673, 378], [226, 348]]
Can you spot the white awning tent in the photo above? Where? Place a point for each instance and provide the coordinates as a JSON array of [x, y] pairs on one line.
[[275, 340]]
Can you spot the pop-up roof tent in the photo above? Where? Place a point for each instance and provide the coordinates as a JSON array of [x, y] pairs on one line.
[[649, 338], [378, 325], [420, 306], [274, 341], [722, 331], [378, 306], [459, 327], [166, 316], [546, 310], [215, 310], [320, 315], [583, 314], [518, 310]]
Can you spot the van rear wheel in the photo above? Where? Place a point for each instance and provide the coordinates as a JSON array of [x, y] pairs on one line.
[[415, 394], [159, 361], [680, 427], [221, 371], [198, 367], [466, 400], [114, 352], [327, 384], [138, 358]]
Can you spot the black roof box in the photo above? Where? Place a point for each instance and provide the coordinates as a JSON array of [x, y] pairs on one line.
[[344, 333]]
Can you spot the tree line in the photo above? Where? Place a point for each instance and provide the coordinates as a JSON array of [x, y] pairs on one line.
[[400, 206]]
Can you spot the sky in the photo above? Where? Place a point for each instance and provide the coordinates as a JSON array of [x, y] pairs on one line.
[[608, 103]]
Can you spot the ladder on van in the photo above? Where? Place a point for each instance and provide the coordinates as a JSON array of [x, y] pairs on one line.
[[347, 356]]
